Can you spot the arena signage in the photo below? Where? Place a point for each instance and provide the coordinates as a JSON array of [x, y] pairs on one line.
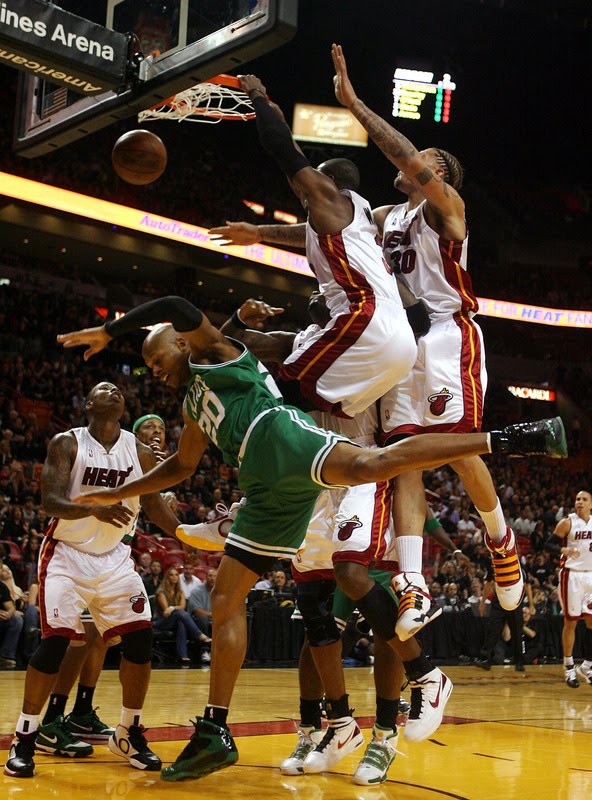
[[134, 219], [533, 393], [50, 43]]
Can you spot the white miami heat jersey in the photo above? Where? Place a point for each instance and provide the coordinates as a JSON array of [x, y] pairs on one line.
[[94, 467], [350, 265], [579, 536], [435, 268]]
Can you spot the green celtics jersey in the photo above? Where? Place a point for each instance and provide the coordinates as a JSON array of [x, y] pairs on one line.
[[224, 399]]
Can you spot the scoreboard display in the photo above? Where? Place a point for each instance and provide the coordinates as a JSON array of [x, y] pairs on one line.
[[416, 95]]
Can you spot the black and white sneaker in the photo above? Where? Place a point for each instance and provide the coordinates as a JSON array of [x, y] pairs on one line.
[[546, 437], [20, 762], [429, 695], [130, 743]]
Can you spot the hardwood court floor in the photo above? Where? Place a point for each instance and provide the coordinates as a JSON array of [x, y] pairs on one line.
[[506, 736]]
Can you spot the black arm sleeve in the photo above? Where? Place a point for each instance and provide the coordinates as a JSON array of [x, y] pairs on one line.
[[276, 138], [183, 315], [554, 545]]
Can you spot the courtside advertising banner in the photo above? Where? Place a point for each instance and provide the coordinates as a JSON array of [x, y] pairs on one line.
[[52, 44]]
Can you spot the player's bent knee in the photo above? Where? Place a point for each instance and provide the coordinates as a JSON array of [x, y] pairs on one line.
[[321, 627], [49, 655], [137, 646]]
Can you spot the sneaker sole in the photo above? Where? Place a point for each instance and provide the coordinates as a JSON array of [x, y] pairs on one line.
[[557, 445], [188, 774], [55, 751], [586, 678], [432, 613], [360, 781], [353, 745], [24, 774]]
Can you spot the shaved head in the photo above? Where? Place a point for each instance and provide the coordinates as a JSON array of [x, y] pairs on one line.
[[166, 353]]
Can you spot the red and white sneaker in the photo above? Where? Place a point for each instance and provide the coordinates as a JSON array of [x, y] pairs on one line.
[[210, 535], [507, 573], [429, 695], [415, 604], [342, 737]]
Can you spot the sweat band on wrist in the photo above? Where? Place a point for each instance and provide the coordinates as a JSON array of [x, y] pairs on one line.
[[237, 321]]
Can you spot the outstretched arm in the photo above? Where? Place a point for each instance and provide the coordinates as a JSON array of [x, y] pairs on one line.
[[270, 348], [328, 209], [400, 151], [243, 233], [184, 316], [192, 445]]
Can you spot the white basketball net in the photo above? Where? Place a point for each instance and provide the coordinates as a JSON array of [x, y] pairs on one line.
[[205, 102]]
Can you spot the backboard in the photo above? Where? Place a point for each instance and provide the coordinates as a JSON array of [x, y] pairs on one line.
[[183, 42]]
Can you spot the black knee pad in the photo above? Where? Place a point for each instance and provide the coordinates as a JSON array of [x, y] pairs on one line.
[[49, 655], [137, 646], [313, 602]]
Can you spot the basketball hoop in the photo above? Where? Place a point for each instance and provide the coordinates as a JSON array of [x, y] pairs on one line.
[[219, 98]]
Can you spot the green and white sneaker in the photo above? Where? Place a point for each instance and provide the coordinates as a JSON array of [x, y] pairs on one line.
[[308, 739], [379, 755], [56, 739], [89, 726], [209, 749]]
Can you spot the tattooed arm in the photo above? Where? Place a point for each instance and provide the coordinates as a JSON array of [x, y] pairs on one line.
[[243, 233], [421, 169]]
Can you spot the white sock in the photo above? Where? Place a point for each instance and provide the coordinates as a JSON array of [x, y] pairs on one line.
[[27, 723], [410, 551], [495, 522], [568, 662], [130, 716]]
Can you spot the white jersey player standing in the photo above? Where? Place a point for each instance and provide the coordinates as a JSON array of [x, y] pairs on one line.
[[425, 239], [574, 542], [85, 564]]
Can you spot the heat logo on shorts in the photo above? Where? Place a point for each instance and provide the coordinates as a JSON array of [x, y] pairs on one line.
[[347, 528], [438, 402], [138, 602]]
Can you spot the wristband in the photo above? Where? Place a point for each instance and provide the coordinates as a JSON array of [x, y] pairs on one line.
[[454, 552], [237, 321]]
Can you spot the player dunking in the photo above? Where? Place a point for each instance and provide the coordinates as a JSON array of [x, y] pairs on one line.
[[426, 239], [572, 539], [84, 564], [367, 337], [233, 402]]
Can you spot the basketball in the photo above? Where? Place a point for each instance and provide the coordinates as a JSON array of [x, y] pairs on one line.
[[139, 157]]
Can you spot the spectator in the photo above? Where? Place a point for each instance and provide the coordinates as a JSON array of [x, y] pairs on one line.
[[452, 601], [474, 599], [11, 625], [199, 604], [30, 560], [143, 564], [438, 597], [15, 528], [189, 581], [170, 615], [153, 580]]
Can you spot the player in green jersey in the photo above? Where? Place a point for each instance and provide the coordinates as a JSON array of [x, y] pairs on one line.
[[284, 461]]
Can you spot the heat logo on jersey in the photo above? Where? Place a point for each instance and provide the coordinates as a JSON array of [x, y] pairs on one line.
[[438, 402], [101, 476], [347, 528], [138, 602]]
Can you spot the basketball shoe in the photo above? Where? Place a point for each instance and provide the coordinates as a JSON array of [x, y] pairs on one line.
[[415, 604], [546, 437], [20, 763], [507, 573], [308, 739], [88, 726], [380, 754], [211, 535], [429, 695], [585, 672], [130, 743], [571, 678], [55, 738], [210, 748], [341, 738]]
